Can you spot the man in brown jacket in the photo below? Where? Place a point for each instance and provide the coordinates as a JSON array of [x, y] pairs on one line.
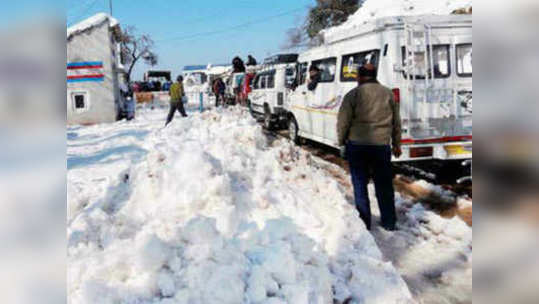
[[367, 123]]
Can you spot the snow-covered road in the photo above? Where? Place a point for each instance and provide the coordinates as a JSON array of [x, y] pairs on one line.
[[207, 211]]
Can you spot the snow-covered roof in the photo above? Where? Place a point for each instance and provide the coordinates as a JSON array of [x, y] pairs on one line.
[[88, 23], [374, 9]]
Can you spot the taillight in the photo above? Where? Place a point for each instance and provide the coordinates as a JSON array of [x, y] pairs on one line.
[[396, 95], [421, 152]]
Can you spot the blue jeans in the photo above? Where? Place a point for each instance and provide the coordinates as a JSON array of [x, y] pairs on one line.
[[372, 160]]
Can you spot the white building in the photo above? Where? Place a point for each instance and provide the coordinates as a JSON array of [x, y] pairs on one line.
[[95, 73]]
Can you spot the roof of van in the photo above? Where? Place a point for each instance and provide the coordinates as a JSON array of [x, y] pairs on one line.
[[354, 30]]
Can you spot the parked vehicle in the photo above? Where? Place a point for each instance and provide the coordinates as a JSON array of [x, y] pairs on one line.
[[426, 60], [270, 89]]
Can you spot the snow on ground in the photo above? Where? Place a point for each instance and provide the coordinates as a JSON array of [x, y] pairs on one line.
[[372, 9], [206, 211], [433, 254]]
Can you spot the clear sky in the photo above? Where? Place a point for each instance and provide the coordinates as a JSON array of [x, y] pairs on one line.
[[201, 31]]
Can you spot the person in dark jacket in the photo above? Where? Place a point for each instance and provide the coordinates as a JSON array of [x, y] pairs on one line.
[[367, 123], [314, 77], [251, 60], [219, 89], [177, 95]]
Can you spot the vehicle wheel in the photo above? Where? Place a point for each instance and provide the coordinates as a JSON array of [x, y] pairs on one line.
[[268, 123], [293, 130], [249, 106]]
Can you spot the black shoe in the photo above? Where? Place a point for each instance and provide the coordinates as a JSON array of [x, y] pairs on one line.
[[389, 228]]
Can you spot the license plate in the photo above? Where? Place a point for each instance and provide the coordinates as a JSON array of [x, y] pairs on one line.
[[458, 149]]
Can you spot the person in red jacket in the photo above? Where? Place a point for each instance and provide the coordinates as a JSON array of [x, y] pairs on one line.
[[246, 88]]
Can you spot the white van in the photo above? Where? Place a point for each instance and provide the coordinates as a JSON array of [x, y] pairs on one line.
[[426, 61], [270, 89]]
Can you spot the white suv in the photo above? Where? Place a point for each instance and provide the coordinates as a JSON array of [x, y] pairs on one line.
[[270, 88]]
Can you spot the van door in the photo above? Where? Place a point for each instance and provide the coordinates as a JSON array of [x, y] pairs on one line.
[[271, 94], [322, 98], [299, 102], [429, 98], [463, 76]]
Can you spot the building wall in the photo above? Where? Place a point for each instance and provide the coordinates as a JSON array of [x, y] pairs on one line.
[[93, 45]]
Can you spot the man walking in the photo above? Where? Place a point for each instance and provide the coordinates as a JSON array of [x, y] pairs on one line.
[[177, 95], [219, 88], [368, 121]]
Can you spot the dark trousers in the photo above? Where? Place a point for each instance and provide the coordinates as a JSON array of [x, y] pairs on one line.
[[173, 107], [366, 161], [219, 97]]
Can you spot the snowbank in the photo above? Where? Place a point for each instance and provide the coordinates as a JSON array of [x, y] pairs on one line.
[[90, 22], [432, 253], [373, 9], [206, 211]]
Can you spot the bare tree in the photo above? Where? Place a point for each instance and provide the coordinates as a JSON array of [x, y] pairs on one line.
[[328, 13], [135, 47], [324, 14]]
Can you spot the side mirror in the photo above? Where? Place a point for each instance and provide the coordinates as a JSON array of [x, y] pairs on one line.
[[290, 84]]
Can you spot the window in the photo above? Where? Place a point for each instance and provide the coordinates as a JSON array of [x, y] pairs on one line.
[[289, 76], [302, 73], [440, 65], [327, 69], [464, 60], [350, 63], [255, 83], [263, 81], [271, 79], [80, 101]]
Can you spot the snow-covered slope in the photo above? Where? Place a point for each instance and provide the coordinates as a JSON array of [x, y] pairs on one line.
[[91, 22], [373, 9], [206, 211]]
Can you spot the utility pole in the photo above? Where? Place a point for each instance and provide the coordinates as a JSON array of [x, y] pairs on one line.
[[110, 6]]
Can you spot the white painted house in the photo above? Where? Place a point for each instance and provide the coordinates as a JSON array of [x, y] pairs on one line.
[[95, 74]]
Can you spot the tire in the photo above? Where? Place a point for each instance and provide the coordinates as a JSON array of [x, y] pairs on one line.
[[268, 119], [250, 109], [293, 130]]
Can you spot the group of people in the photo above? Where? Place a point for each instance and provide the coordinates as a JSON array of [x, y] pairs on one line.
[[368, 130]]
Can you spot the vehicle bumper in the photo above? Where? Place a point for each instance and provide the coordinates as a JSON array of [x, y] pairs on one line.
[[441, 151]]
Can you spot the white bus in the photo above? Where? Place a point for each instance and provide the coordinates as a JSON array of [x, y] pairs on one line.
[[427, 62]]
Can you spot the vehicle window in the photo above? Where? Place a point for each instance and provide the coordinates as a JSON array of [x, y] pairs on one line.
[[263, 81], [351, 62], [440, 65], [464, 60], [289, 76], [302, 73], [271, 79], [327, 69], [255, 83]]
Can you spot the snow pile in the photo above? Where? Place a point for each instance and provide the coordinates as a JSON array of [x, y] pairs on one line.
[[373, 9], [90, 22], [432, 253], [206, 211]]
